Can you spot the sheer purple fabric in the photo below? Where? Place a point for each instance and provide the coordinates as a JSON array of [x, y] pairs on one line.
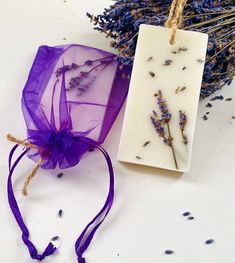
[[72, 91], [70, 101]]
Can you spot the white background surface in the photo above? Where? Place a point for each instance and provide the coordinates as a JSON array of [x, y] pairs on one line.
[[146, 216]]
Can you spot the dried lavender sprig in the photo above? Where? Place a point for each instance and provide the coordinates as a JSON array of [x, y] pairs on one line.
[[81, 82], [75, 66], [182, 123], [159, 124]]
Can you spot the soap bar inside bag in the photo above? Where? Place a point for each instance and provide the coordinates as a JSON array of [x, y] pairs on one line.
[[72, 91]]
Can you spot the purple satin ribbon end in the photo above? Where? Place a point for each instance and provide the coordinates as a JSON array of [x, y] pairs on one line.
[[81, 259]]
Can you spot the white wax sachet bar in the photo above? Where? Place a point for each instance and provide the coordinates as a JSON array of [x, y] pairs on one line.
[[163, 98]]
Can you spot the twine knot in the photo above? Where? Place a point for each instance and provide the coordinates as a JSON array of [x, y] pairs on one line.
[[52, 148], [175, 17]]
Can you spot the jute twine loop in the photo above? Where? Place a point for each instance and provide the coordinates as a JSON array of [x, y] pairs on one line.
[[175, 17], [36, 167]]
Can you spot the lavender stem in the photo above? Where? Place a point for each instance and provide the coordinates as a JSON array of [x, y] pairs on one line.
[[172, 147]]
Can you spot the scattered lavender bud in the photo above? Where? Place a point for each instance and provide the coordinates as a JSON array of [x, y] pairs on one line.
[[146, 143], [149, 59], [152, 74], [177, 90], [209, 105], [167, 62], [169, 252], [184, 68], [60, 175], [182, 49], [209, 241], [190, 218], [200, 60], [217, 98], [205, 118], [180, 89], [228, 99], [138, 157], [60, 213], [55, 238], [186, 213], [207, 112]]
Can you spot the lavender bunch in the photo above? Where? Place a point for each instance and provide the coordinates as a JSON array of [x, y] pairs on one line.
[[160, 123], [120, 22]]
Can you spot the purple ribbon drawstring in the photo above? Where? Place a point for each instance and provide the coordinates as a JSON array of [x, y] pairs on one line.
[[87, 234], [50, 249]]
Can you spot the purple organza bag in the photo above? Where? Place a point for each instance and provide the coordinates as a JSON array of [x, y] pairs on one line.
[[70, 101]]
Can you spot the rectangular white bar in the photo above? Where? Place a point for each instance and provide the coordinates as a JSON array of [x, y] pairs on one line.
[[175, 70]]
